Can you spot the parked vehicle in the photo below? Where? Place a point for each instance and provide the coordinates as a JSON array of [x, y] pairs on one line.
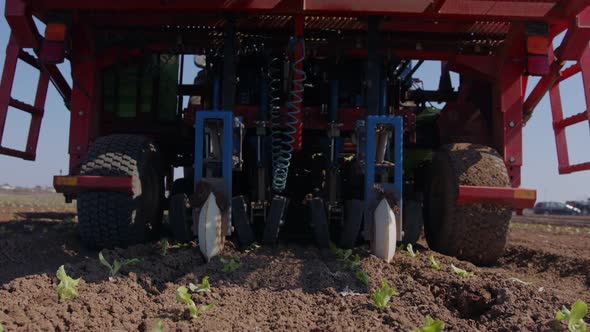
[[584, 206], [556, 208]]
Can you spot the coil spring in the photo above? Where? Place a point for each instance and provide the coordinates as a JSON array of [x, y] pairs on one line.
[[284, 128]]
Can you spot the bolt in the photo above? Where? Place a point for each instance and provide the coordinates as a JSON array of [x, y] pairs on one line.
[[511, 124], [512, 159], [78, 148], [81, 113]]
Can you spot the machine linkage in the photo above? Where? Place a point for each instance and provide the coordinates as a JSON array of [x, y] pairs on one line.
[[279, 142]]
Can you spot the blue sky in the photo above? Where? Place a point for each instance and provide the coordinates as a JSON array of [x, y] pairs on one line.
[[540, 161]]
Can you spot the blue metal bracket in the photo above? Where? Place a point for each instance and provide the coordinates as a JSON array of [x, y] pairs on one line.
[[227, 148], [372, 169]]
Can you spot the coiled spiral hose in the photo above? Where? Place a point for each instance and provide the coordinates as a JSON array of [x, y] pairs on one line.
[[284, 126]]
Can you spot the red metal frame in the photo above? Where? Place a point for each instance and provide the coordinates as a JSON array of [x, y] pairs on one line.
[[25, 35], [504, 69], [560, 123], [13, 54], [508, 98], [77, 184], [574, 47], [454, 9], [512, 197], [83, 124]]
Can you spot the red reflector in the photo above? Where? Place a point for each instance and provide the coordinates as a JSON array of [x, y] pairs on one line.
[[538, 45], [55, 32], [538, 65]]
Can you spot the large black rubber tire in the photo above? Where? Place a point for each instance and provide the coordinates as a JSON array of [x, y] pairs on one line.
[[111, 219], [475, 232]]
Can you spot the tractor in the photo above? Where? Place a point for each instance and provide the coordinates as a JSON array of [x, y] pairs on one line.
[[305, 119]]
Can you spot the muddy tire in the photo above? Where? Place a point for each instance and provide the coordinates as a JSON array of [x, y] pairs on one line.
[[111, 219], [474, 232]]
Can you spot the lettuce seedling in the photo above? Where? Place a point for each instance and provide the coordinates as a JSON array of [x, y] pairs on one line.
[[165, 245], [574, 317], [362, 276], [252, 247], [66, 289], [345, 256], [460, 272], [158, 326], [340, 254], [204, 286], [202, 308], [183, 296], [435, 265], [1, 328], [520, 281], [382, 295], [117, 265], [230, 265], [353, 263], [430, 325], [410, 250]]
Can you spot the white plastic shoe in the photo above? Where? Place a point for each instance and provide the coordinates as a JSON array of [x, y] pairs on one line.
[[385, 232], [211, 237]]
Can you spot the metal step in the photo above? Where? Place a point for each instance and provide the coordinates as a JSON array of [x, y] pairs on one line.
[[572, 120], [559, 122]]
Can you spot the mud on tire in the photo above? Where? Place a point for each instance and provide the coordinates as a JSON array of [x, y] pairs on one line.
[[474, 232], [109, 219]]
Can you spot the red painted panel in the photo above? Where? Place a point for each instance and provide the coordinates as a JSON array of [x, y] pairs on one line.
[[368, 6], [497, 8], [83, 108], [151, 5], [511, 105], [21, 23], [76, 184], [515, 198]]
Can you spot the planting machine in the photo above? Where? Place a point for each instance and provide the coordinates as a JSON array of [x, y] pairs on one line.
[[305, 118]]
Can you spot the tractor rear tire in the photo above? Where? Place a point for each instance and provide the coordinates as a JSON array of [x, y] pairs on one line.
[[112, 219], [475, 232]]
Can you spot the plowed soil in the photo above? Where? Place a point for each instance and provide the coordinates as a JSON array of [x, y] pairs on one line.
[[291, 287]]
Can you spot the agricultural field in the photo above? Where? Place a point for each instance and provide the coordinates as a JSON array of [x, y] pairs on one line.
[[291, 287]]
